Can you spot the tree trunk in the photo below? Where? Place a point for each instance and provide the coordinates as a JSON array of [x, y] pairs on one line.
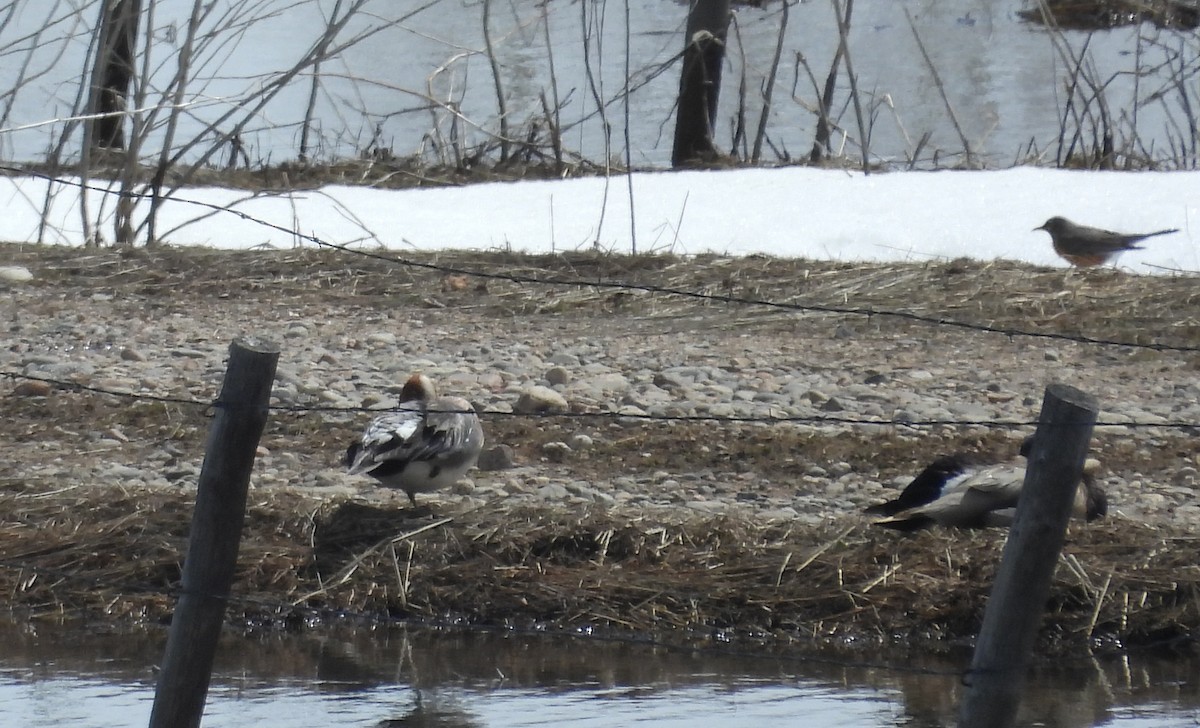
[[112, 75], [700, 82]]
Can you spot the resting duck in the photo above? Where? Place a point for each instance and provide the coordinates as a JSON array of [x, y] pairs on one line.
[[955, 492], [427, 444]]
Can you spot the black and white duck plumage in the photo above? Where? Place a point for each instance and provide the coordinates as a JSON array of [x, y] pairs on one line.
[[955, 492], [426, 444]]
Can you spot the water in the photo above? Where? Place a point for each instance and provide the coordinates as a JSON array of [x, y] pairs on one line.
[[54, 676], [1003, 78]]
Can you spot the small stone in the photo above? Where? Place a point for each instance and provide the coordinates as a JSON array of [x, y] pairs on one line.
[[30, 388], [379, 401], [580, 441], [538, 399], [553, 491], [815, 396], [610, 382], [558, 376], [556, 452], [128, 354], [1052, 355], [564, 359], [455, 283], [832, 405], [15, 274], [499, 457]]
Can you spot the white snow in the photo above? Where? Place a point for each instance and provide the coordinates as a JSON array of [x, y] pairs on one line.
[[796, 212]]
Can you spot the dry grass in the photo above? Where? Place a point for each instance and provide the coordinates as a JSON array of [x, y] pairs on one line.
[[1104, 303], [117, 553]]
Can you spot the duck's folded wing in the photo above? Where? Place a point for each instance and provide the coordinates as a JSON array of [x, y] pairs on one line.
[[927, 487], [992, 489], [389, 437]]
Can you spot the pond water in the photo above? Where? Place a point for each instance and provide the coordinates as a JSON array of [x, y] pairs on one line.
[[391, 677], [1003, 78]]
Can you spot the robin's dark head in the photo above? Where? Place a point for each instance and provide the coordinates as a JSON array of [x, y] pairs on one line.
[[1055, 226]]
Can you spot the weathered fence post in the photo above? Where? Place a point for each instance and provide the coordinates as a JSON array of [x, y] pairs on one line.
[[241, 414], [1022, 584]]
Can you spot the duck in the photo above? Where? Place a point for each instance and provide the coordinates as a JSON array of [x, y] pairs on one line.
[[426, 444], [954, 491]]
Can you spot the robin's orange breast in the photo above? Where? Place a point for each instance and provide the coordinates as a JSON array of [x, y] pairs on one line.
[[1083, 260]]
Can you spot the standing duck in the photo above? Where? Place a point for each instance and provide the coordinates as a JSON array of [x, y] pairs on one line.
[[953, 491], [428, 443]]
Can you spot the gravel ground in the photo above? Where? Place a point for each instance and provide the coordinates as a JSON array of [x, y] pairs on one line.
[[159, 323]]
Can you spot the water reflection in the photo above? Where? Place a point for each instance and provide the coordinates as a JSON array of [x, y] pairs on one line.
[[406, 677]]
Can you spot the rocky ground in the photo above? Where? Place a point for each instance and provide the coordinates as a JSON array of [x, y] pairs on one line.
[[158, 323]]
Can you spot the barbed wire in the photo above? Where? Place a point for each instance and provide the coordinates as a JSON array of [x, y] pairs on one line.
[[522, 278], [612, 415]]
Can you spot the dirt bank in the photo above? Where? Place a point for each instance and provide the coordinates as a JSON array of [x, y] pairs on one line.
[[698, 527]]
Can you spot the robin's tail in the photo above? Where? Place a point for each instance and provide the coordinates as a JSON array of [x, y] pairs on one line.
[[1168, 231]]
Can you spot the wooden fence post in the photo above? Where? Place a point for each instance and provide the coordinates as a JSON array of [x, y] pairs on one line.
[[216, 531], [1022, 583]]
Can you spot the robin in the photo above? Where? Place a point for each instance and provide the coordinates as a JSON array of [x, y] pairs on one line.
[[1086, 247]]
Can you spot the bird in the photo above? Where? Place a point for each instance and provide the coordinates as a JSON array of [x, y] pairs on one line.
[[1087, 247], [426, 444], [954, 491]]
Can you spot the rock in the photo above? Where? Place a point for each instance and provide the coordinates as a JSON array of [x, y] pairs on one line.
[[557, 451], [15, 274], [580, 441], [563, 359], [378, 401], [815, 396], [538, 399], [553, 491], [832, 405], [463, 487], [32, 388], [128, 354], [499, 457], [558, 376], [188, 353], [611, 382]]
